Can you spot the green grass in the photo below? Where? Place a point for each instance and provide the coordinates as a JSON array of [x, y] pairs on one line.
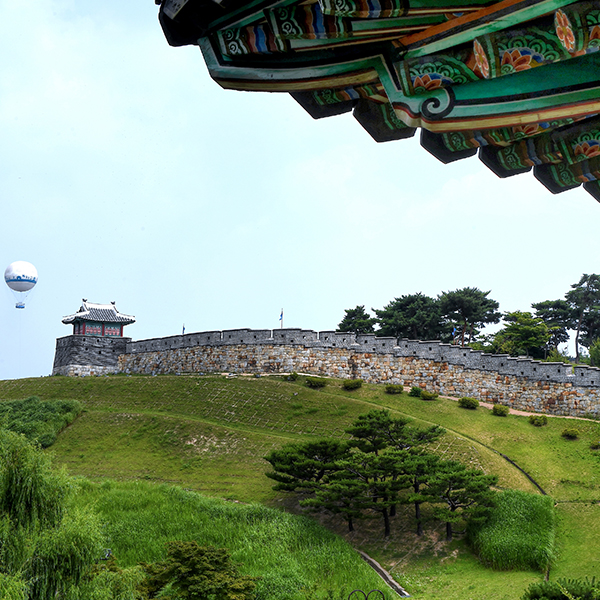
[[519, 533], [290, 553], [210, 434], [38, 421]]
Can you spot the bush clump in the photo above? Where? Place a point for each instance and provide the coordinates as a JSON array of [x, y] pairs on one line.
[[538, 420], [467, 402], [595, 445], [584, 589], [570, 433], [292, 376], [352, 384], [500, 410], [425, 395], [415, 392], [518, 534], [395, 388], [316, 382]]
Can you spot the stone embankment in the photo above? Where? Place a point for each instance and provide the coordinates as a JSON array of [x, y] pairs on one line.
[[521, 383]]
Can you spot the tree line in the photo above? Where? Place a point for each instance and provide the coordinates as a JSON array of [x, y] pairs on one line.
[[384, 464], [459, 316]]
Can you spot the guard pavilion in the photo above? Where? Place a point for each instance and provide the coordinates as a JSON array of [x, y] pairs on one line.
[[96, 342], [102, 320], [516, 82]]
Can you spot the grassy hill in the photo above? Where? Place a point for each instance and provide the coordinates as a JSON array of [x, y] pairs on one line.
[[210, 434]]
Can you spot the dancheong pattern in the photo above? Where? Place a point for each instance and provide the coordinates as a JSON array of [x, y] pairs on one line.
[[515, 82]]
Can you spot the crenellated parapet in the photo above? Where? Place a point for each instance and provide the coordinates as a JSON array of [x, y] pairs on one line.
[[436, 351]]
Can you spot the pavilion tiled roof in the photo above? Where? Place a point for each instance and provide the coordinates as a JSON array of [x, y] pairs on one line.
[[516, 82], [102, 313]]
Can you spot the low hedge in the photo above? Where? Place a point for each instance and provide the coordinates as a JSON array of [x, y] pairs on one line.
[[352, 384], [500, 410], [395, 388], [570, 433], [467, 402], [538, 420], [316, 382]]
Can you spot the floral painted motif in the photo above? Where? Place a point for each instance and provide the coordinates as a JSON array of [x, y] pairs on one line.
[[587, 149], [564, 31], [522, 131], [520, 59], [430, 81], [481, 59]]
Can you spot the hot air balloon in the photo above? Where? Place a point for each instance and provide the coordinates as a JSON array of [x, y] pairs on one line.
[[20, 277]]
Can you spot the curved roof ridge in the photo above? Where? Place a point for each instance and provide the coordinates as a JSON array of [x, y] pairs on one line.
[[106, 313]]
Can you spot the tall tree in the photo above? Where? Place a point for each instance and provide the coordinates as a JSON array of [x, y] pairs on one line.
[[559, 318], [343, 494], [523, 334], [461, 493], [590, 329], [357, 320], [584, 299], [419, 469], [469, 308], [373, 431], [379, 479], [303, 467], [414, 316], [377, 429]]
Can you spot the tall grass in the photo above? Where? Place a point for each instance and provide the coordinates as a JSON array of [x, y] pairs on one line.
[[39, 421], [519, 533], [290, 554]]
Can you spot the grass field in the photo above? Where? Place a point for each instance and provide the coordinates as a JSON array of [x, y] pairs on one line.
[[210, 434]]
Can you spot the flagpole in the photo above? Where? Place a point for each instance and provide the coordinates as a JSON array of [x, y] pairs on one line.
[[281, 319]]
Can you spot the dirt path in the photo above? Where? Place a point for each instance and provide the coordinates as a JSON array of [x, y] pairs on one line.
[[522, 413]]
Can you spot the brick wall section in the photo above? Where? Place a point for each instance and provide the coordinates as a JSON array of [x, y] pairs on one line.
[[523, 392]]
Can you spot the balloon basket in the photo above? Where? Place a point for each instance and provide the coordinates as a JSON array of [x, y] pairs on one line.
[[20, 305]]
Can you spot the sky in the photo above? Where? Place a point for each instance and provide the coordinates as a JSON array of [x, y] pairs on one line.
[[128, 175]]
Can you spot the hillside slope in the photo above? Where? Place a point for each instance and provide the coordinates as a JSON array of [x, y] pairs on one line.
[[210, 434]]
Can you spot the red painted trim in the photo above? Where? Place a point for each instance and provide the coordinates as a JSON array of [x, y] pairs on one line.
[[102, 329], [486, 13]]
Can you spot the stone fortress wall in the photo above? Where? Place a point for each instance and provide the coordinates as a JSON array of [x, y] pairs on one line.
[[521, 383], [87, 355]]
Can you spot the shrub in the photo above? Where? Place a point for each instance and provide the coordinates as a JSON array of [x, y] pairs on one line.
[[570, 433], [500, 410], [395, 388], [595, 445], [352, 384], [292, 376], [316, 382], [518, 534], [415, 392], [585, 589], [425, 395], [467, 402], [538, 420]]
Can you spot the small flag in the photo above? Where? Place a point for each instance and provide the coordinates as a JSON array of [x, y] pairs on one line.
[[281, 315], [183, 331]]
